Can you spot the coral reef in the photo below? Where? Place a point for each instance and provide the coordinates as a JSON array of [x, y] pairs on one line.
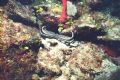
[[93, 53], [83, 62], [17, 56]]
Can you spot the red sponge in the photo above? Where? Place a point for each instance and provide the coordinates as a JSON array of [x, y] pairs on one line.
[[63, 14]]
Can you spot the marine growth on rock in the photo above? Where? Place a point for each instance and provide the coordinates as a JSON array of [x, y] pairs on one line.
[[59, 40]]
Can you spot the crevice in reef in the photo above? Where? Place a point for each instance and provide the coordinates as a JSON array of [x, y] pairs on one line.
[[84, 34]]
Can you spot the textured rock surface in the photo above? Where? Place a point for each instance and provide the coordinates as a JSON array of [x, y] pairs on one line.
[[82, 62], [12, 32], [17, 56], [25, 55]]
